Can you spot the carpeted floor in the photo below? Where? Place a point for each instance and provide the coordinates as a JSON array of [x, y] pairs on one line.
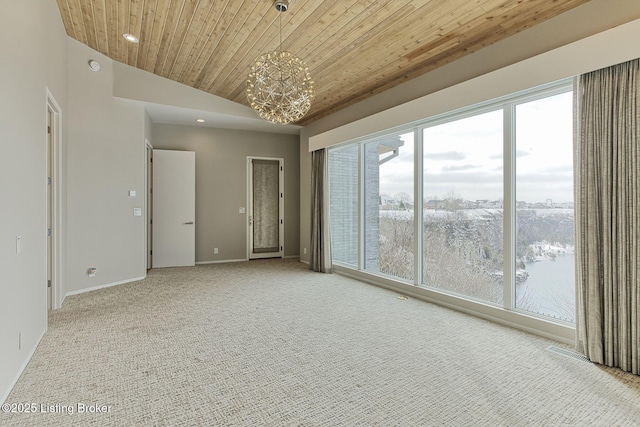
[[269, 343]]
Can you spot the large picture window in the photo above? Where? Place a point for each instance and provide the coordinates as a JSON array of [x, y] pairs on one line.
[[544, 207], [486, 216], [343, 200], [388, 205], [463, 195]]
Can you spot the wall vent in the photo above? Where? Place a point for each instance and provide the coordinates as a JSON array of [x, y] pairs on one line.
[[568, 353]]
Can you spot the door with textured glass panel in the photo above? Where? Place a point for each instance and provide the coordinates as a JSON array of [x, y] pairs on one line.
[[266, 207]]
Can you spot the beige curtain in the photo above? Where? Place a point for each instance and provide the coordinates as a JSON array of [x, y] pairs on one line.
[[608, 216], [320, 229]]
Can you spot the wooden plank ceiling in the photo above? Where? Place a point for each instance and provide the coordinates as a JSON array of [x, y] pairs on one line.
[[354, 48]]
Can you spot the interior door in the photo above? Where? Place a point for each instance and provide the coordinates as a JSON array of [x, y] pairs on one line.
[[149, 203], [266, 207], [49, 208], [174, 196]]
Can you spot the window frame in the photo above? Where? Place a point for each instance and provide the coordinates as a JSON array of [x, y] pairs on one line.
[[508, 313]]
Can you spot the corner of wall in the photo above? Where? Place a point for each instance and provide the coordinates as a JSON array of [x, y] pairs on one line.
[[29, 68], [305, 197]]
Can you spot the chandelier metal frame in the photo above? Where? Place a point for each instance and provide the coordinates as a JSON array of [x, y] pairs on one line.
[[279, 86]]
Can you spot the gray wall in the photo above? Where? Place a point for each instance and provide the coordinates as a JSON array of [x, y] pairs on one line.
[[106, 159], [32, 58], [583, 21], [221, 184]]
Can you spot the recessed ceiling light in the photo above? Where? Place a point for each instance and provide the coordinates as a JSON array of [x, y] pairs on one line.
[[130, 37], [200, 120]]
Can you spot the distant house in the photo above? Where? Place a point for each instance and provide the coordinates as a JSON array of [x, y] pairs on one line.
[[435, 204], [388, 203]]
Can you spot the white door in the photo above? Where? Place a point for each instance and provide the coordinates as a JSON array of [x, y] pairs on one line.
[[266, 207], [149, 201], [49, 208], [174, 208]]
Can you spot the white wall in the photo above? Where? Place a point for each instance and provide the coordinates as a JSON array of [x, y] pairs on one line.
[[105, 158], [576, 24], [32, 58]]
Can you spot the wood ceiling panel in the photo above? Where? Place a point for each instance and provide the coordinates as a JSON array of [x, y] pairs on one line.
[[354, 48], [172, 14], [230, 43], [245, 54], [146, 32], [134, 28], [188, 42], [77, 20], [111, 23], [121, 53], [233, 83], [101, 34], [65, 12], [178, 35], [204, 44]]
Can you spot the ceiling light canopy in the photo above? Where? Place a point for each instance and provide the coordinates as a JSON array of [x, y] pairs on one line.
[[279, 86]]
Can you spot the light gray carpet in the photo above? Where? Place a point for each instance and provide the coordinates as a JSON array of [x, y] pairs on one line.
[[271, 343]]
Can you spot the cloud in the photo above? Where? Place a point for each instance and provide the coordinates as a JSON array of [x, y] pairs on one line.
[[463, 178], [519, 153], [459, 168], [446, 155], [562, 170]]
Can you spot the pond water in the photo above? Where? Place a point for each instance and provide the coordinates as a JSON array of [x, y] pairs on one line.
[[550, 288]]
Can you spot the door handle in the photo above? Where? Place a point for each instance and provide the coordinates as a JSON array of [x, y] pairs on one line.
[[188, 223]]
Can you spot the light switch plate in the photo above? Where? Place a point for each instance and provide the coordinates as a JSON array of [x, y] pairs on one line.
[[132, 193], [137, 211], [241, 210]]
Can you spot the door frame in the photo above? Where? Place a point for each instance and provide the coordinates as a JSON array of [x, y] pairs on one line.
[[53, 108], [148, 203], [280, 253]]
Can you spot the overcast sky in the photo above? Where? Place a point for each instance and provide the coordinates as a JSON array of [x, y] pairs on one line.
[[465, 157]]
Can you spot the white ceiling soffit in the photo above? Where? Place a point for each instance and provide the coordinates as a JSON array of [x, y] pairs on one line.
[[171, 115], [171, 102]]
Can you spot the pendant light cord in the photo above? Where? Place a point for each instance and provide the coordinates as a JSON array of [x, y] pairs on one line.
[[280, 20]]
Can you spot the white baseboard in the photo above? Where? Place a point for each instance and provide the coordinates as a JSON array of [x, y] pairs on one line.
[[517, 320], [222, 261], [107, 285], [305, 262], [22, 368]]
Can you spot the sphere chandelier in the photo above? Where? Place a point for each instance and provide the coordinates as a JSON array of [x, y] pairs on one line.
[[279, 86]]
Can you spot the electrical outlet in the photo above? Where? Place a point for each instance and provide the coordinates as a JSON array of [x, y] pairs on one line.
[[215, 251], [92, 272], [304, 251]]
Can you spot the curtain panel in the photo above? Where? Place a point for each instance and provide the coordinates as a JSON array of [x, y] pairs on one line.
[[320, 228], [608, 216]]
